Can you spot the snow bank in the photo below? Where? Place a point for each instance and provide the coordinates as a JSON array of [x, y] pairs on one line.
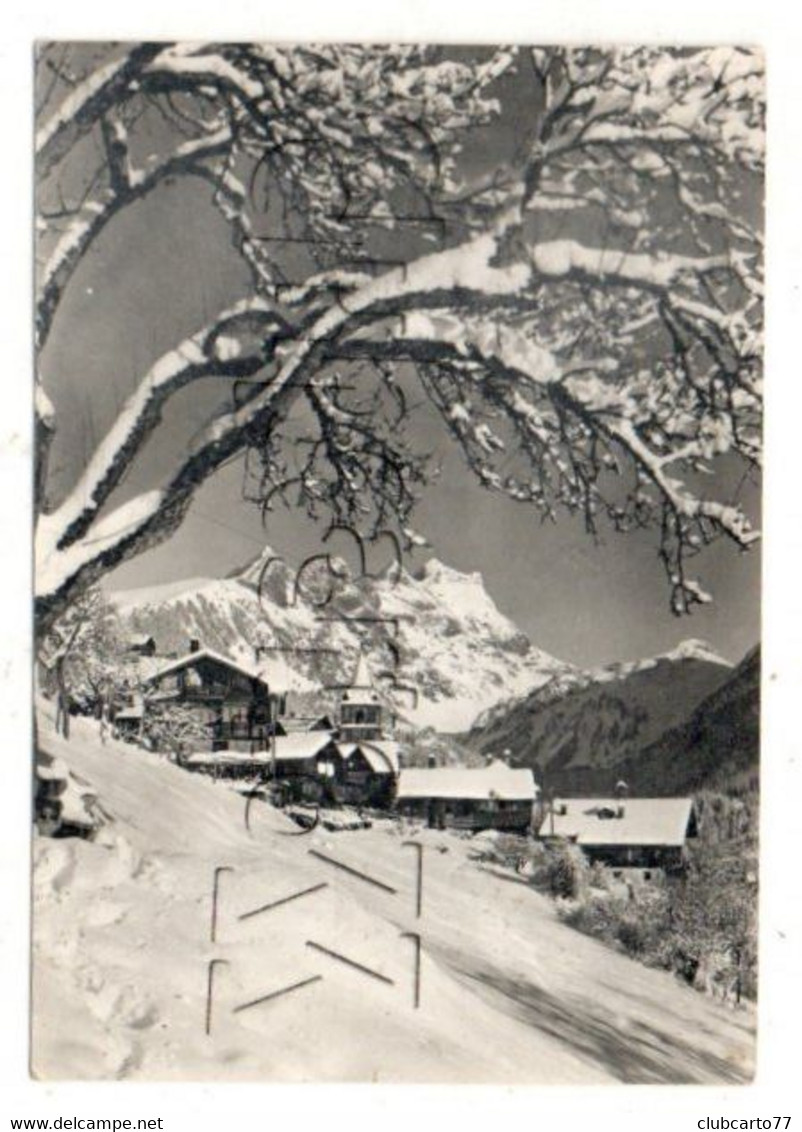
[[121, 949]]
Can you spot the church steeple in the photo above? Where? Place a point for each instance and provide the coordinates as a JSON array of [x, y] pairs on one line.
[[362, 680], [360, 706]]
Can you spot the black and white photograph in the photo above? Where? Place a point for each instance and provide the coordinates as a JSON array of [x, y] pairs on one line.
[[397, 601]]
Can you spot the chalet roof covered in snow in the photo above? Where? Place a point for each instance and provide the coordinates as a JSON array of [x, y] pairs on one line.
[[207, 654], [227, 758], [495, 781], [642, 821], [290, 748], [300, 745], [296, 723], [381, 754]]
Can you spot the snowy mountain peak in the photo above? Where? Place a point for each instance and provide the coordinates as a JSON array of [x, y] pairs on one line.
[[690, 649], [252, 570], [695, 649], [437, 633], [437, 572]]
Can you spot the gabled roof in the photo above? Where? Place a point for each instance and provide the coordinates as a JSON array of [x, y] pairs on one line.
[[300, 745], [495, 781], [644, 821], [206, 654], [381, 754], [295, 723]]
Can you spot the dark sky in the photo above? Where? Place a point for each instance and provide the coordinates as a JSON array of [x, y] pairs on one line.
[[163, 269]]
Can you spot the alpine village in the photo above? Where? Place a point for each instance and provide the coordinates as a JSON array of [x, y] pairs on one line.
[[628, 795]]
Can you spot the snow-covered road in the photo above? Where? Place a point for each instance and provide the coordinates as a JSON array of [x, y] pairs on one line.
[[507, 993]]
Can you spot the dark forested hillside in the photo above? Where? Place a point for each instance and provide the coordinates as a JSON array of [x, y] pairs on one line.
[[576, 739], [675, 726], [717, 748]]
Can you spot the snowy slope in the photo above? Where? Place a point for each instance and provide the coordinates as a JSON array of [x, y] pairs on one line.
[[130, 599], [122, 946], [690, 649], [454, 646]]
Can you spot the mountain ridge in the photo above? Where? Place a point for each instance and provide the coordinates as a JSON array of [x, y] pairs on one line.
[[716, 748], [437, 631], [581, 737], [462, 667]]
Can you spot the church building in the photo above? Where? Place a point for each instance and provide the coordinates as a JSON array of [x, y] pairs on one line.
[[360, 707]]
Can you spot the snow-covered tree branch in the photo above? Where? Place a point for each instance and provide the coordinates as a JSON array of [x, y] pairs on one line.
[[586, 317]]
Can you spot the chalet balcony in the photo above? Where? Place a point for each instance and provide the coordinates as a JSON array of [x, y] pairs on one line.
[[217, 692], [232, 730]]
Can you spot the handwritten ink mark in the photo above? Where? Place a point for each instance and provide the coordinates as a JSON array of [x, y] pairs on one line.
[[215, 897], [213, 965], [350, 962], [352, 871], [277, 994], [414, 936], [419, 890], [284, 900]]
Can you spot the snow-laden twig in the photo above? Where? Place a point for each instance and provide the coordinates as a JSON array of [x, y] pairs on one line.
[[85, 104]]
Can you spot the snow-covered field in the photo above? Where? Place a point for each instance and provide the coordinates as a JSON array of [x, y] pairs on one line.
[[508, 994]]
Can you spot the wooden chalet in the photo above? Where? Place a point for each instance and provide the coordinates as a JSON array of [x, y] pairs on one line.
[[644, 834], [311, 766], [316, 766], [308, 757], [306, 764], [142, 644], [311, 755], [367, 772], [234, 701], [494, 796]]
